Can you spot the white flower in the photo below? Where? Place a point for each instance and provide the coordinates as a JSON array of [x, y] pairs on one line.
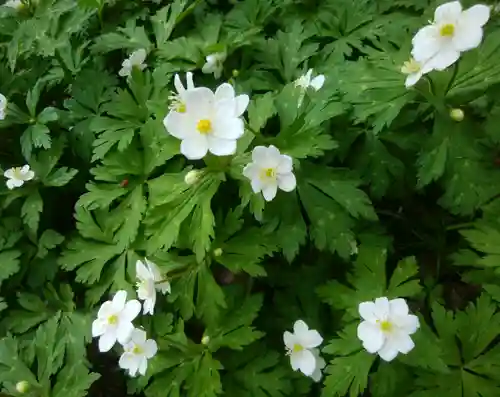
[[177, 102], [415, 70], [210, 123], [452, 32], [150, 280], [300, 347], [305, 81], [214, 64], [320, 364], [137, 352], [114, 321], [387, 327], [3, 106], [269, 170], [136, 59], [15, 4], [18, 175]]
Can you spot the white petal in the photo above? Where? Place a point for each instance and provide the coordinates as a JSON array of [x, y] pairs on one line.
[[367, 311], [189, 80], [150, 348], [426, 43], [138, 336], [25, 169], [107, 309], [287, 182], [98, 327], [148, 306], [256, 184], [402, 342], [131, 310], [467, 38], [242, 102], [195, 147], [9, 173], [12, 183], [119, 301], [311, 339], [266, 157], [126, 360], [382, 308], [285, 165], [153, 270], [289, 339], [124, 332], [179, 125], [29, 176], [138, 56], [178, 84], [318, 82], [398, 307], [388, 352], [143, 365], [141, 271], [224, 91], [107, 341], [477, 15], [304, 361], [164, 287], [221, 146], [200, 100], [444, 58], [300, 328], [228, 127], [448, 12], [251, 171], [409, 324], [371, 336], [269, 191], [412, 79]]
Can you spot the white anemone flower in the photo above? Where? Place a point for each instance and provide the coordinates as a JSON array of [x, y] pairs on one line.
[[137, 352], [452, 32], [300, 347], [386, 327], [177, 102], [214, 64], [210, 123], [135, 60], [114, 321], [3, 106], [306, 81], [18, 175], [150, 281], [270, 170], [414, 71]]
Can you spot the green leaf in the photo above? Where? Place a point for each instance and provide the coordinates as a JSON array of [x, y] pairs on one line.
[[260, 110], [48, 240], [73, 381], [401, 283], [60, 176], [31, 210], [165, 20], [36, 136], [10, 263]]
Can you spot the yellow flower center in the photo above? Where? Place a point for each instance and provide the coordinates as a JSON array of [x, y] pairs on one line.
[[410, 67], [268, 173], [386, 326], [297, 348], [113, 319], [204, 126], [137, 349], [16, 172], [447, 30]]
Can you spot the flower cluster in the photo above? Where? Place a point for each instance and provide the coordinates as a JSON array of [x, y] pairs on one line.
[[439, 44], [385, 329], [115, 317]]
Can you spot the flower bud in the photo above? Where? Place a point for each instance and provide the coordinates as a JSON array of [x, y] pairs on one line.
[[218, 252], [192, 177], [205, 340], [235, 73], [22, 387], [457, 114]]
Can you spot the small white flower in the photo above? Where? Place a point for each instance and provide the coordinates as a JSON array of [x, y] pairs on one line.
[[114, 321], [177, 101], [136, 59], [3, 106], [305, 81], [211, 122], [320, 364], [300, 346], [15, 4], [18, 175], [386, 327], [414, 71], [452, 32], [150, 280], [214, 64], [137, 352], [270, 170]]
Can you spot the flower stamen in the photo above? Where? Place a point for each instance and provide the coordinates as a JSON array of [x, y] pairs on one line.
[[204, 126], [447, 30]]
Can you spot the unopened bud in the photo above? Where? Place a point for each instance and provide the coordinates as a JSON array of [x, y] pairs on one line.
[[23, 386], [205, 340], [236, 72], [457, 114], [192, 177], [218, 252]]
